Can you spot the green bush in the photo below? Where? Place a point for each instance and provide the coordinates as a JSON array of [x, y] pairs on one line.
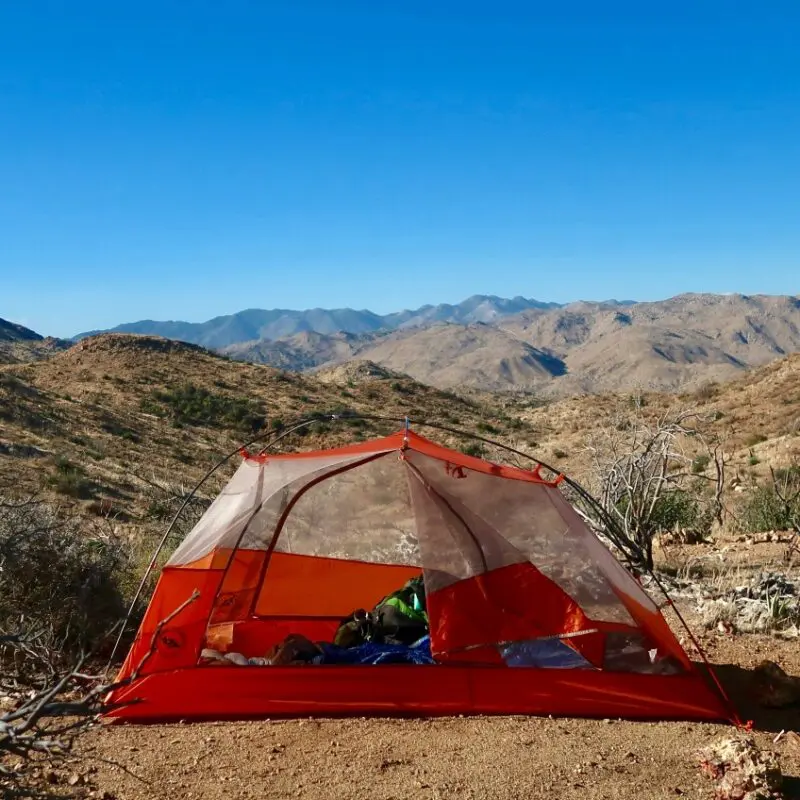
[[473, 449], [193, 405], [115, 429], [680, 509], [70, 479], [765, 511], [674, 509], [700, 463], [401, 388]]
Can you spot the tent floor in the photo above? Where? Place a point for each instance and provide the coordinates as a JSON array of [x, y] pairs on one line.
[[228, 693]]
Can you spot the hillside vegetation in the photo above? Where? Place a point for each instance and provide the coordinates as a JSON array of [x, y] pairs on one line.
[[98, 425], [118, 425]]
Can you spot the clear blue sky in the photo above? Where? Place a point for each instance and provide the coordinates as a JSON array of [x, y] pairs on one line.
[[179, 160]]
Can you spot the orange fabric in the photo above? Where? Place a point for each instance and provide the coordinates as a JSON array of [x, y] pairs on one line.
[[510, 604], [413, 441], [239, 586], [655, 626], [387, 443], [216, 692], [179, 641], [313, 586], [301, 594], [254, 637]]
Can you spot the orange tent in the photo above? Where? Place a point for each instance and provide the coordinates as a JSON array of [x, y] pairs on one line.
[[296, 542]]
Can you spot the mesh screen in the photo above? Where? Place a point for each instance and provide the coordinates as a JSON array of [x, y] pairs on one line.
[[509, 521], [253, 500], [420, 511], [363, 514]]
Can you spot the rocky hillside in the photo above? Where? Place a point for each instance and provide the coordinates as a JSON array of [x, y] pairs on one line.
[[102, 424], [454, 356], [582, 348], [303, 351], [19, 344], [673, 344], [108, 424]]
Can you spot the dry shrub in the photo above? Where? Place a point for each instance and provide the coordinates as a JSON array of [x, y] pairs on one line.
[[774, 505], [62, 587]]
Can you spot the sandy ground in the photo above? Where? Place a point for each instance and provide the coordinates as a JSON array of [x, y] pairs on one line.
[[497, 757]]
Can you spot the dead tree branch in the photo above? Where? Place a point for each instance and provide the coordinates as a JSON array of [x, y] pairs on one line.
[[643, 472]]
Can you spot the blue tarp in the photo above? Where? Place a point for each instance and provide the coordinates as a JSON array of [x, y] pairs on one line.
[[543, 654], [375, 653]]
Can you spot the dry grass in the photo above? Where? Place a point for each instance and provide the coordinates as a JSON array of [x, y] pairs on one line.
[[97, 407], [95, 426]]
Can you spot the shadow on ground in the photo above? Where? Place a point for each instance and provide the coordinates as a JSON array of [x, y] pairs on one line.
[[738, 683]]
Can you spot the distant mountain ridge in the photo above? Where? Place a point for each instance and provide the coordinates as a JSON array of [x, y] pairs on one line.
[[572, 349], [495, 344], [258, 324]]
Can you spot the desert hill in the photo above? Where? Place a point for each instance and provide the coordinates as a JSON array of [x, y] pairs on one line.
[[97, 425], [452, 356], [20, 344], [671, 345], [102, 424], [302, 351]]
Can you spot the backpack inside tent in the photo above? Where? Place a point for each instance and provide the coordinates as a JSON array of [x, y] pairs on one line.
[[400, 577]]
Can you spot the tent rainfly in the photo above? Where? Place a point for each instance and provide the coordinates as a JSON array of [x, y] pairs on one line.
[[527, 611]]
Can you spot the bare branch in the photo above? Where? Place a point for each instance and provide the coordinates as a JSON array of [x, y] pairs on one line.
[[642, 471]]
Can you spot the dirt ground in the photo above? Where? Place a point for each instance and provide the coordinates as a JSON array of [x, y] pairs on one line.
[[490, 757], [484, 757]]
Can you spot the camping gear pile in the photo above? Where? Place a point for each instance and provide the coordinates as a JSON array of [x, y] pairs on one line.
[[394, 632]]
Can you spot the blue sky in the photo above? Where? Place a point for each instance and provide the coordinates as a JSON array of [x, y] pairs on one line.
[[177, 160]]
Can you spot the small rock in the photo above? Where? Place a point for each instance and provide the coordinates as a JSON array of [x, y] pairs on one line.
[[792, 742]]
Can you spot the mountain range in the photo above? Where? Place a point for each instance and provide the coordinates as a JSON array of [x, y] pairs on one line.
[[560, 350], [259, 324], [517, 344]]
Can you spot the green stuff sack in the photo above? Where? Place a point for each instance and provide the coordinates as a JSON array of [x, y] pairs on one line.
[[402, 617]]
